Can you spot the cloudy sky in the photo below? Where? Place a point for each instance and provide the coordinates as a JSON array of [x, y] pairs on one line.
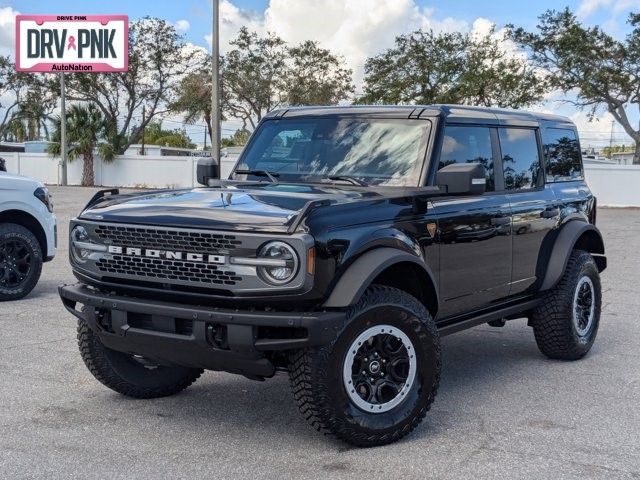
[[354, 28]]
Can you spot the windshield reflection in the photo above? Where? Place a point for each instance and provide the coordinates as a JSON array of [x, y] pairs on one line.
[[386, 152]]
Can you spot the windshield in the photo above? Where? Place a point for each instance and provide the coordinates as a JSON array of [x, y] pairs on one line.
[[371, 151]]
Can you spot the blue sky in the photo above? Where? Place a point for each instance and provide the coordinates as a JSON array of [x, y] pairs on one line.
[[354, 29], [197, 12]]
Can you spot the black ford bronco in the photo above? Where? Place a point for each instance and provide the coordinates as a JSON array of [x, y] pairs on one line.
[[346, 242]]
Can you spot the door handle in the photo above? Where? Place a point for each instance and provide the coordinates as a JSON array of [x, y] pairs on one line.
[[498, 221], [550, 213]]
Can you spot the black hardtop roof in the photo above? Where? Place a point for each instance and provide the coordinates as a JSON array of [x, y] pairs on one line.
[[453, 113]]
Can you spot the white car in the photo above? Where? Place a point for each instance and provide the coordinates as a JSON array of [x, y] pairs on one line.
[[27, 234]]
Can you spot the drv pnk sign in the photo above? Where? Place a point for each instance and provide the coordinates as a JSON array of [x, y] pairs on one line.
[[72, 43]]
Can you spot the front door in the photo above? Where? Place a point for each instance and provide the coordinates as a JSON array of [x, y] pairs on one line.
[[474, 232]]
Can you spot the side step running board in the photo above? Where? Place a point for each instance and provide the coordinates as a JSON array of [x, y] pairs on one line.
[[453, 326]]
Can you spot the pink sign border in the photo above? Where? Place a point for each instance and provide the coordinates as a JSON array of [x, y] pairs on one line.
[[97, 66]]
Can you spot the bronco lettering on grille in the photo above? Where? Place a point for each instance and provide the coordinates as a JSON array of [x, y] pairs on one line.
[[167, 254]]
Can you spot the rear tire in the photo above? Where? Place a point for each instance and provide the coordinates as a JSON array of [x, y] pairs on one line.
[[566, 323], [20, 261], [126, 375], [391, 339]]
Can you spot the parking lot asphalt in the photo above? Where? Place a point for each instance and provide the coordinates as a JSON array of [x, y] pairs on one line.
[[503, 410]]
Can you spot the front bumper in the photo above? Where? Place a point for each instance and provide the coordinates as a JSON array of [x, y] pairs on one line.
[[236, 341]]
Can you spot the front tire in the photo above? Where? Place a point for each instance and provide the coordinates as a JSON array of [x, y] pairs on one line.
[[375, 383], [566, 323], [127, 375], [20, 262]]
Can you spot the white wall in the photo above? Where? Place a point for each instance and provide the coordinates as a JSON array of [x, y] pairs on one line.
[[614, 185], [125, 171]]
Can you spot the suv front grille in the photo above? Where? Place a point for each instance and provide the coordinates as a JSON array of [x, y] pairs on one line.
[[171, 239], [162, 269]]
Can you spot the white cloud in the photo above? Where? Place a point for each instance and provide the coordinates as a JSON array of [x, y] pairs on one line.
[[589, 7], [232, 19], [182, 26], [7, 30]]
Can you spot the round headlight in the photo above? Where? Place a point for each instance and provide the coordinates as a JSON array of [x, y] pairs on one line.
[[79, 236], [284, 263]]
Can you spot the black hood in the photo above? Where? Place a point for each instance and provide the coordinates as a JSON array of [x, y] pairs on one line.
[[269, 207]]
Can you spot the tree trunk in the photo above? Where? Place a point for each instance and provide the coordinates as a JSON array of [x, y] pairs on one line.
[[636, 155], [87, 170]]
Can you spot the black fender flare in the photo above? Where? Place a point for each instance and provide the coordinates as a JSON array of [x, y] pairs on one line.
[[565, 242], [359, 275]]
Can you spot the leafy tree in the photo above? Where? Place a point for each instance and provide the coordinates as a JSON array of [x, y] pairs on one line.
[[316, 76], [424, 68], [87, 132], [158, 60], [25, 103], [239, 139], [156, 135], [10, 89], [34, 111], [194, 98], [253, 76], [603, 71], [260, 74]]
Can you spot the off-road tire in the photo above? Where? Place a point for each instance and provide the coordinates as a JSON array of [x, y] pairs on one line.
[[317, 382], [14, 232], [553, 322], [125, 375]]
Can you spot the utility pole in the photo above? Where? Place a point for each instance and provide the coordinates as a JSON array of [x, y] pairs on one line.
[[205, 138], [611, 141], [63, 130], [215, 82], [144, 114]]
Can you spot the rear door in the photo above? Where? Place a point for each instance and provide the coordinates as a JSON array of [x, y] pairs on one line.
[[474, 232], [533, 205]]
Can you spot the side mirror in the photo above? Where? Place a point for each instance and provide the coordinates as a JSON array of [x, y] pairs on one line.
[[3, 165], [207, 170], [461, 178]]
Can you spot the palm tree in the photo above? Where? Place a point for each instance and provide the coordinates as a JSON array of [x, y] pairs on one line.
[[34, 112], [86, 130]]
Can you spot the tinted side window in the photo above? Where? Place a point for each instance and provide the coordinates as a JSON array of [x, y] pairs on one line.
[[468, 145], [520, 158], [563, 155]]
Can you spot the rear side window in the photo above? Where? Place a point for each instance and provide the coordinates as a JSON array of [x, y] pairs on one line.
[[520, 158], [468, 145], [563, 155]]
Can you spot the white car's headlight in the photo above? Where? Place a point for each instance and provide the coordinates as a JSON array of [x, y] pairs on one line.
[[281, 263]]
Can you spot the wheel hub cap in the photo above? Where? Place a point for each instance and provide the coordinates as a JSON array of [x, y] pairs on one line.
[[374, 367], [379, 368]]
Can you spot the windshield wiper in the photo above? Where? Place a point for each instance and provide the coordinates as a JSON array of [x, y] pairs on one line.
[[350, 179], [260, 173]]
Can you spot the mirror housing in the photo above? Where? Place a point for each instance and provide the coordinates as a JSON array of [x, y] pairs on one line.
[[207, 170], [463, 178]]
